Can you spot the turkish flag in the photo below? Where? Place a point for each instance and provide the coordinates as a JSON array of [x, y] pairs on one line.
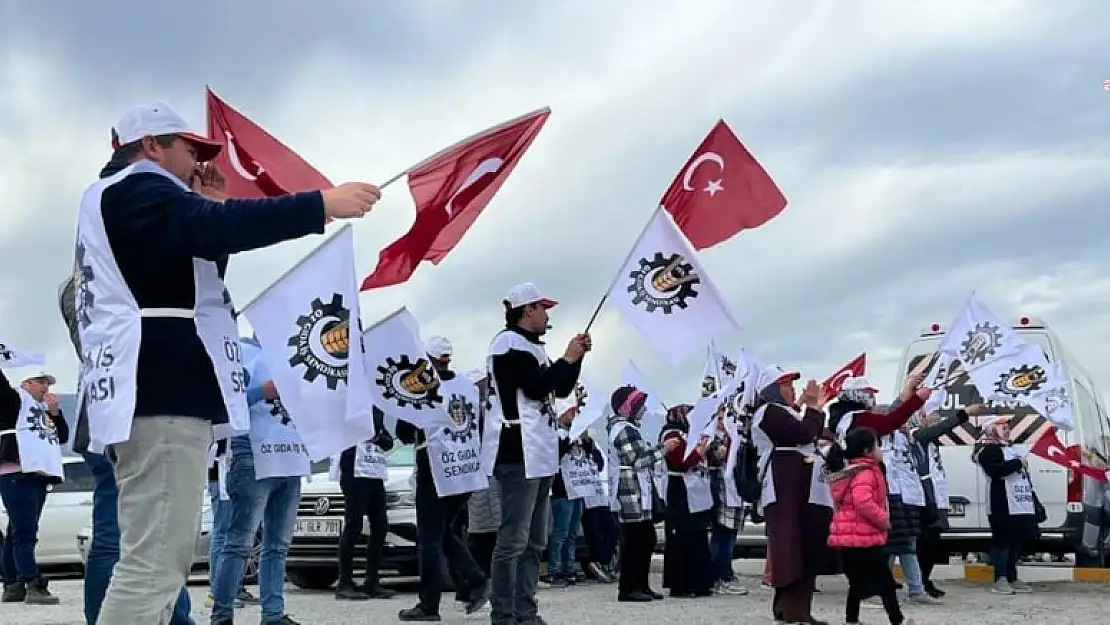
[[450, 190], [1049, 447], [721, 191], [854, 369], [255, 163]]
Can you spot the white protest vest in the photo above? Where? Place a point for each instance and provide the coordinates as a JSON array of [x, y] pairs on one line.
[[1019, 488], [369, 462], [901, 470], [538, 422], [643, 476], [37, 438], [937, 475], [819, 493], [698, 484], [277, 447], [455, 451], [735, 440], [844, 425], [580, 475], [110, 326], [601, 499]]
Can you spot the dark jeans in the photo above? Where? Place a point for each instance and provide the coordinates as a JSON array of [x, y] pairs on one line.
[[515, 569], [722, 541], [868, 574], [566, 517], [600, 529], [104, 548], [364, 497], [1005, 559], [24, 495], [435, 524], [481, 549], [637, 545]]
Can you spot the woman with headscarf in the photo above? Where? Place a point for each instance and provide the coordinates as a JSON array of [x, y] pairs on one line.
[[797, 505], [924, 432], [728, 507], [632, 462], [686, 565], [1012, 506]]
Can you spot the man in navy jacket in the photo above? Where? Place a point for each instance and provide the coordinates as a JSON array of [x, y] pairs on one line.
[[155, 229]]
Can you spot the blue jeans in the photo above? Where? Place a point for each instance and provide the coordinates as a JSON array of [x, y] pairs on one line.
[[221, 520], [104, 549], [24, 495], [722, 540], [1005, 559], [566, 515], [911, 569], [272, 504]]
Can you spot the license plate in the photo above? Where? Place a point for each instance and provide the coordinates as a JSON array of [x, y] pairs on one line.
[[318, 528], [957, 508]]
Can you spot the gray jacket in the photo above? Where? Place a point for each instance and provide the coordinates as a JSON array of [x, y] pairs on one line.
[[484, 513]]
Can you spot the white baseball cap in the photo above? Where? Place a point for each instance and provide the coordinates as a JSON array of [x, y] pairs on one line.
[[158, 119], [438, 347], [858, 383], [476, 375], [527, 293], [35, 375], [775, 374]]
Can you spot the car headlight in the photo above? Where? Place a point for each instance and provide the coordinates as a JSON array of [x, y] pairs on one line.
[[400, 499]]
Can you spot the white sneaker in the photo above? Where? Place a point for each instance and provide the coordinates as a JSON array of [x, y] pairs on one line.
[[1002, 587], [923, 599], [872, 603], [1021, 588], [731, 588]]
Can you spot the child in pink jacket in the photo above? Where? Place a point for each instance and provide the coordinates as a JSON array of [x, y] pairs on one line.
[[860, 523]]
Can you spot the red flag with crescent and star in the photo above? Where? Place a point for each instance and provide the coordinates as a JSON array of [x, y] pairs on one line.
[[1049, 447], [856, 368], [254, 162], [450, 189], [721, 191]]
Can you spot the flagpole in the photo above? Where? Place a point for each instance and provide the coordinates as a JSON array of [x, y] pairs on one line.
[[478, 135], [620, 269], [302, 261]]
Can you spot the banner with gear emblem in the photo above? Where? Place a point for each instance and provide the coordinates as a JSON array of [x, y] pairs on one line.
[[10, 357], [403, 382], [666, 294], [303, 323], [455, 449]]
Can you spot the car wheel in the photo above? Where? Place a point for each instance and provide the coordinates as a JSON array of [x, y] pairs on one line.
[[312, 579], [254, 560]]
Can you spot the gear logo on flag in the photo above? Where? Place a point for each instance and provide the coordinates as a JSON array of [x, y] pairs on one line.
[[1021, 381], [462, 414], [581, 396], [663, 282], [40, 422], [578, 456], [732, 403], [981, 343], [1056, 400], [708, 386], [82, 276], [321, 343], [408, 383], [6, 354], [547, 407], [278, 411]]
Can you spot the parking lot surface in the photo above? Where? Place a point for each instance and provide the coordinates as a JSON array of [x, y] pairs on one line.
[[1055, 603]]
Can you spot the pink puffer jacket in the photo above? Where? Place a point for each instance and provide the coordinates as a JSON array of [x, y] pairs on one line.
[[861, 517]]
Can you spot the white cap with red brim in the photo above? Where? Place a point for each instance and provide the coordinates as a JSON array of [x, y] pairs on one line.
[[527, 293], [858, 383], [774, 374], [159, 119]]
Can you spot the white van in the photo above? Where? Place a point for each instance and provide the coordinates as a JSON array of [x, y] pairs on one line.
[[1078, 514]]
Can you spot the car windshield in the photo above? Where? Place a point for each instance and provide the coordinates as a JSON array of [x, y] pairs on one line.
[[78, 479], [401, 456]]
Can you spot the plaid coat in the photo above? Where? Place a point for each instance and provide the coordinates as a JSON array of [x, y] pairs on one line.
[[632, 454], [723, 515]]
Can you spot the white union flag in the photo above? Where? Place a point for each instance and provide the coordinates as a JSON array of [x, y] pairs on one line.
[[403, 381], [303, 323], [665, 293], [590, 405], [11, 357]]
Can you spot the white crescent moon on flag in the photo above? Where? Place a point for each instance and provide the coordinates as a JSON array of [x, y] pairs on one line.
[[236, 164], [488, 166], [705, 156]]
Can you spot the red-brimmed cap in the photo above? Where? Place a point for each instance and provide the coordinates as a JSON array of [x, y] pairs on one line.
[[158, 119], [527, 293]]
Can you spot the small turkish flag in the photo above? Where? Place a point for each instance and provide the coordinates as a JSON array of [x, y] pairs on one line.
[[721, 191], [1049, 447], [450, 190], [854, 369], [255, 163]]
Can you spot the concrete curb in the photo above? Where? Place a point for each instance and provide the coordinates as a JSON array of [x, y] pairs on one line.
[[971, 573]]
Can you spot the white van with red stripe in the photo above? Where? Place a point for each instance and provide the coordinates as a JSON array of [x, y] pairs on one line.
[[1078, 512]]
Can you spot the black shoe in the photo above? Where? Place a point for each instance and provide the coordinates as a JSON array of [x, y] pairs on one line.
[[654, 595], [285, 620], [479, 597], [376, 591], [38, 594], [898, 586], [346, 591], [636, 596], [557, 581], [417, 613], [246, 598], [598, 572], [14, 592], [932, 590]]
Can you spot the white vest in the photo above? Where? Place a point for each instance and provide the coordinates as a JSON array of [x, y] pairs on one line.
[[1019, 488], [110, 326], [37, 438], [455, 451], [538, 422], [698, 484], [819, 493], [643, 476], [277, 447], [937, 475], [369, 462], [580, 475], [901, 472]]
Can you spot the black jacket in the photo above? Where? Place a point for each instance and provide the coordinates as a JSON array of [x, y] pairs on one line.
[[383, 439], [517, 370], [409, 434]]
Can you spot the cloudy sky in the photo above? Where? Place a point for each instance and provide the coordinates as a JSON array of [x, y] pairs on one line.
[[928, 149]]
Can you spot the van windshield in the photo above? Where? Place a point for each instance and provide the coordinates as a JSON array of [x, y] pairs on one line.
[[1026, 424]]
